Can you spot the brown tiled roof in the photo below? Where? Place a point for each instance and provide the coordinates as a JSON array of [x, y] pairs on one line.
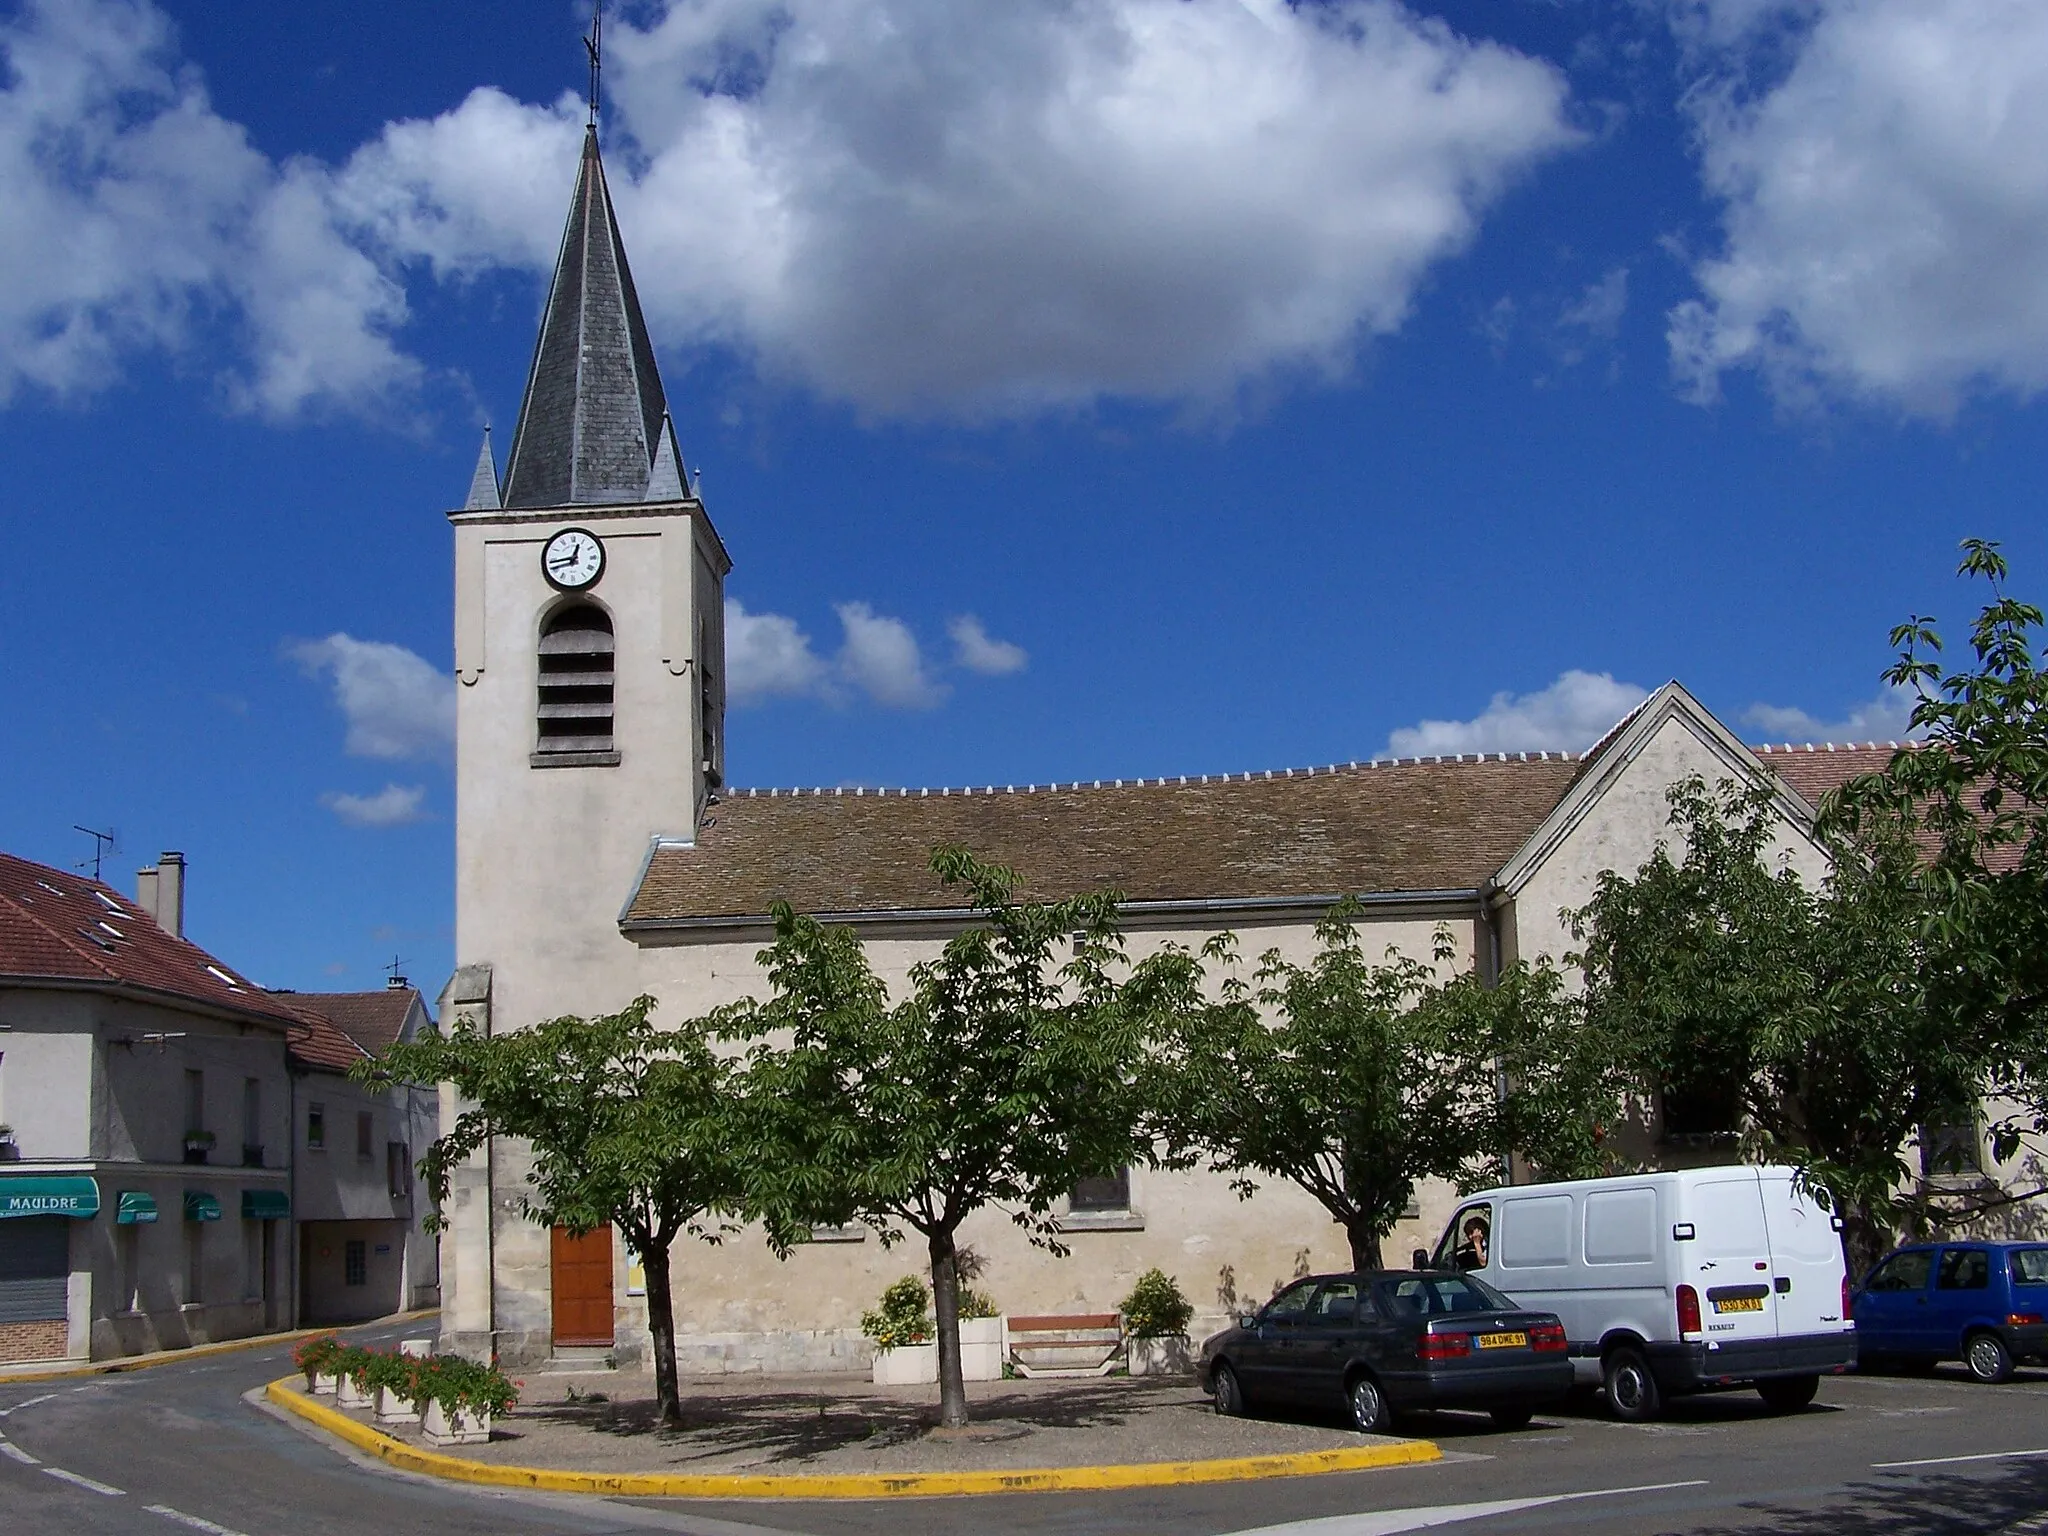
[[371, 1019], [58, 926], [1411, 826], [317, 1043], [1811, 770]]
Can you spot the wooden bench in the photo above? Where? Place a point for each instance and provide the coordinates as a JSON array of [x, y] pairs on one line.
[[1073, 1344]]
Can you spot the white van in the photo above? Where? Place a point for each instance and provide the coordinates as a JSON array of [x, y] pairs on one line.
[[1670, 1283]]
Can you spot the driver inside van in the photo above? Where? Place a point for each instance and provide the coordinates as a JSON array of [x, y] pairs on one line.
[[1471, 1252]]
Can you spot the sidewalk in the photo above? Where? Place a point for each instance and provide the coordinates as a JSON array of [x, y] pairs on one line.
[[841, 1436]]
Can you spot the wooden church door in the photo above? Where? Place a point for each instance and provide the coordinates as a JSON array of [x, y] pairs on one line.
[[582, 1277]]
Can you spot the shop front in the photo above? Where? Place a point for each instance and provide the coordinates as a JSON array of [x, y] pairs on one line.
[[38, 1215]]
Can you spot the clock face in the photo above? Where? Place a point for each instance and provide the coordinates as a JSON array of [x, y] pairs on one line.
[[572, 559]]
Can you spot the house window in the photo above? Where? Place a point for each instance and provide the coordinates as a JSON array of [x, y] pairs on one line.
[[252, 1122], [1105, 1192], [252, 1261], [576, 655], [126, 1241], [366, 1132], [398, 1169], [316, 1127], [355, 1262], [195, 1100], [1951, 1147], [1702, 1111]]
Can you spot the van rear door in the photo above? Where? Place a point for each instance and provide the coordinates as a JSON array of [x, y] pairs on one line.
[[1806, 1259], [1729, 1260]]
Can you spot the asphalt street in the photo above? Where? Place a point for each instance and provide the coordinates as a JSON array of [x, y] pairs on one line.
[[179, 1447]]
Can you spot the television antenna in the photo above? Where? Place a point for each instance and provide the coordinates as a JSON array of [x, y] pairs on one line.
[[395, 971], [102, 845]]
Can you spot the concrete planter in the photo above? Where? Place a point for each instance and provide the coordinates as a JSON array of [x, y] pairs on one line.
[[455, 1426], [1172, 1355], [321, 1383], [981, 1349], [349, 1394], [390, 1408], [910, 1365]]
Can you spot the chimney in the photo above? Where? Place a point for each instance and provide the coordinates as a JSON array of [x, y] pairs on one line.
[[397, 984], [145, 889], [169, 886]]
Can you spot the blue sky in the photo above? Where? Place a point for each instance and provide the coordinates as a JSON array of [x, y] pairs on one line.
[[1269, 385]]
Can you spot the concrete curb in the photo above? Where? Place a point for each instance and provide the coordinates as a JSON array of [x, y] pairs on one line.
[[198, 1351], [844, 1485]]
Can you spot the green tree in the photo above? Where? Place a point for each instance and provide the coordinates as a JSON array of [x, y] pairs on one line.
[[1720, 973], [1972, 795], [1003, 1077], [1354, 1079], [630, 1126]]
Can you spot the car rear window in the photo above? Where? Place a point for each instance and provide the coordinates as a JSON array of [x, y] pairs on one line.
[[2030, 1266], [1439, 1296]]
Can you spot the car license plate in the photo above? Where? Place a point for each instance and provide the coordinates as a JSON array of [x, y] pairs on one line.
[[1739, 1304], [1501, 1340]]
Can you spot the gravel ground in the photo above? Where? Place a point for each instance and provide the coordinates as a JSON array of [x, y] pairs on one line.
[[605, 1423]]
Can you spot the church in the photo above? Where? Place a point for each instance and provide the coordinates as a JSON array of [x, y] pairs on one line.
[[601, 854]]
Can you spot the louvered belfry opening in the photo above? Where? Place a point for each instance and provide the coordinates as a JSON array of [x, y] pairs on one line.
[[576, 653]]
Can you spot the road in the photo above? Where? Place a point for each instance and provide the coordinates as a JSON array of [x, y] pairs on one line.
[[178, 1448]]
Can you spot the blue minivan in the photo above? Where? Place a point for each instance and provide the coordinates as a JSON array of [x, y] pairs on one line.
[[1985, 1304]]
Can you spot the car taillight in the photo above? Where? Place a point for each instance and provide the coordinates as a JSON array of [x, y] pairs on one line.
[[1845, 1297], [2022, 1319], [1444, 1346], [1547, 1336], [1688, 1310]]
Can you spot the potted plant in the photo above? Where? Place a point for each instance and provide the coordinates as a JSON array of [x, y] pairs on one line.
[[10, 1149], [902, 1330], [351, 1377], [197, 1145], [981, 1336], [393, 1380], [1156, 1325], [459, 1398], [317, 1357]]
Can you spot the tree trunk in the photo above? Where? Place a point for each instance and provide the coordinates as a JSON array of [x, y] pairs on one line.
[[661, 1325], [1865, 1239], [1365, 1245], [946, 1309]]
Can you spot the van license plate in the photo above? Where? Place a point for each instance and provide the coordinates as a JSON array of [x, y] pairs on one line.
[[1739, 1304], [1501, 1340]]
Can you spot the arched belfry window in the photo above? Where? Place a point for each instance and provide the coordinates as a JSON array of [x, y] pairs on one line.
[[576, 653]]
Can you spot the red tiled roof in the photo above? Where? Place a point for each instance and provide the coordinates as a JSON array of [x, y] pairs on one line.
[[59, 926], [372, 1020], [317, 1043], [1811, 770]]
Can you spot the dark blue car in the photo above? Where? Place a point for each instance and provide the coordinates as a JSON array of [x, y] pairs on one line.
[[1985, 1304]]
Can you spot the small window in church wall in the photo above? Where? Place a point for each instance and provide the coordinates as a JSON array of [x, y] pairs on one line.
[[576, 651]]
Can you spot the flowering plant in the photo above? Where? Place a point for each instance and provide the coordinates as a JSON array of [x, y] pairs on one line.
[[318, 1355]]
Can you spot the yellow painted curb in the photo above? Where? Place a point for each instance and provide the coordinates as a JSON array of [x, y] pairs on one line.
[[844, 1485], [196, 1351]]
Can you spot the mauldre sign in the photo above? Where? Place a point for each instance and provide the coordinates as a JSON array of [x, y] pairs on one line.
[[76, 1197]]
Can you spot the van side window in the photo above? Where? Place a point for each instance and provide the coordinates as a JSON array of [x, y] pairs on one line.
[[1621, 1226], [1963, 1269], [1902, 1272], [1536, 1231], [1468, 1240], [2029, 1266]]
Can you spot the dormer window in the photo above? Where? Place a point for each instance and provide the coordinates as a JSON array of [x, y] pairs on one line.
[[575, 709]]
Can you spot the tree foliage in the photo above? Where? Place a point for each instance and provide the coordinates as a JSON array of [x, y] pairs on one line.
[[1355, 1079], [1721, 974], [630, 1125], [1009, 1071]]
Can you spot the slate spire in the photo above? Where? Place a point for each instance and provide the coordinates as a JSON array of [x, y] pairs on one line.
[[483, 484], [593, 411]]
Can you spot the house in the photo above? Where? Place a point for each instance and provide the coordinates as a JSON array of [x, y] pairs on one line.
[[145, 1162], [600, 854], [363, 1248]]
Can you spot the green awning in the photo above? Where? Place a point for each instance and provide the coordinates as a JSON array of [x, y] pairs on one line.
[[134, 1207], [200, 1206], [265, 1205], [61, 1195]]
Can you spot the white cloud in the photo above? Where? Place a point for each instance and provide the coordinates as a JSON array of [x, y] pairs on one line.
[[881, 657], [396, 703], [1568, 716], [913, 205], [1888, 717], [394, 805], [1884, 199], [978, 651], [768, 655], [136, 214], [1599, 310]]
